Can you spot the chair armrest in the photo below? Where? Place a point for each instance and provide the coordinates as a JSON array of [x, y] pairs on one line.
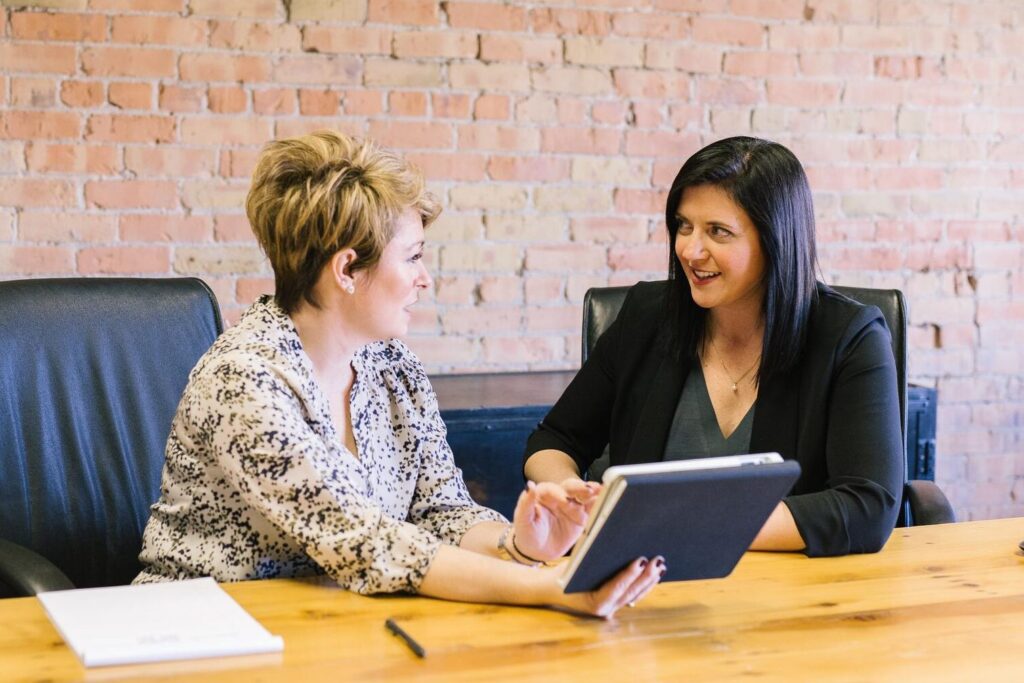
[[26, 572], [928, 504]]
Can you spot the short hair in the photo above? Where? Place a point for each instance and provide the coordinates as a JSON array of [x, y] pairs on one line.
[[314, 195], [767, 181]]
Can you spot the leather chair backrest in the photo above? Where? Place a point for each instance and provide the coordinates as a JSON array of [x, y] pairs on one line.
[[91, 372], [601, 306]]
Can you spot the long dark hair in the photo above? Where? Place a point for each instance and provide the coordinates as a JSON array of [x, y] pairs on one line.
[[767, 181]]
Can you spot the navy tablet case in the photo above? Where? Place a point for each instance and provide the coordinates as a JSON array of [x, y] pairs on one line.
[[700, 521]]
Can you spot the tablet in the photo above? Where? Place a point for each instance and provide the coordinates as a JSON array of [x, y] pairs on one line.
[[701, 515]]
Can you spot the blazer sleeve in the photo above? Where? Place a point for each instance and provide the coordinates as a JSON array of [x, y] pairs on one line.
[[579, 422], [864, 453]]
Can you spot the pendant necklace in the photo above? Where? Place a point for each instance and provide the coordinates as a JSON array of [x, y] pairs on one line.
[[721, 361]]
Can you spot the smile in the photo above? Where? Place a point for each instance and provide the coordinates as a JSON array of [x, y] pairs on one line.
[[705, 275]]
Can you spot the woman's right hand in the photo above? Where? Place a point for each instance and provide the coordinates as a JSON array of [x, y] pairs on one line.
[[626, 588]]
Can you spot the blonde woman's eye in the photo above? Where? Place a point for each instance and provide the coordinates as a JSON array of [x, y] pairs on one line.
[[417, 257]]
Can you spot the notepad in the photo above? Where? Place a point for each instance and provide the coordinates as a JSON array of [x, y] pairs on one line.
[[155, 622], [701, 515]]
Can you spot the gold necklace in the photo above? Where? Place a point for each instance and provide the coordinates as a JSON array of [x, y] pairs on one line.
[[721, 361]]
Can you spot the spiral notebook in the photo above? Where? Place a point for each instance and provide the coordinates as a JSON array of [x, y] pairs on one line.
[[701, 515]]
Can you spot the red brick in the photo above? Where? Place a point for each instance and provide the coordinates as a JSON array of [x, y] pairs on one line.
[[492, 107], [36, 93], [361, 102], [943, 95], [64, 226], [220, 67], [123, 194], [19, 260], [12, 159], [613, 113], [356, 40], [835, 64], [216, 130], [123, 260], [528, 168], [28, 192], [483, 321], [450, 105], [445, 43], [252, 9], [804, 36], [520, 48], [274, 101], [544, 289], [608, 229], [556, 258], [729, 32], [227, 100], [130, 95], [232, 228], [52, 27], [319, 102], [650, 258], [520, 349], [128, 128], [496, 289], [407, 103], [157, 30], [842, 11], [802, 93], [318, 70], [128, 61], [487, 16], [661, 26], [726, 92], [293, 127], [479, 76], [419, 12], [450, 166], [570, 22], [412, 135], [564, 319], [634, 202], [34, 58], [497, 137], [576, 80], [178, 99], [165, 228], [74, 158], [638, 83], [169, 161], [678, 145], [581, 140], [222, 195], [689, 59], [176, 6], [255, 36], [760, 64], [238, 163], [48, 125], [249, 289], [82, 94]]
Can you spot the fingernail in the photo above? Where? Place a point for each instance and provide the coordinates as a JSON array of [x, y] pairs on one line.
[[643, 563], [659, 562]]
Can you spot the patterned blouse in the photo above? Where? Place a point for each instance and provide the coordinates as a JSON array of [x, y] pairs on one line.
[[257, 483]]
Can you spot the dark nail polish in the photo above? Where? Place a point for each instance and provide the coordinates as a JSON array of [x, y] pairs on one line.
[[643, 563]]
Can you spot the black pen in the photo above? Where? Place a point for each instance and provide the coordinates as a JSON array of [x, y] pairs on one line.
[[417, 649]]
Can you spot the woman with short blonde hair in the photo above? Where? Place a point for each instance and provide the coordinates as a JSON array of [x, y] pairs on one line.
[[309, 439]]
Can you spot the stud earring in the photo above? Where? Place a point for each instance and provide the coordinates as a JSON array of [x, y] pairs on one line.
[[350, 287]]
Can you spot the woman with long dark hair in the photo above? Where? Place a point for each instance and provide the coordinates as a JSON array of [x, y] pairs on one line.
[[742, 350]]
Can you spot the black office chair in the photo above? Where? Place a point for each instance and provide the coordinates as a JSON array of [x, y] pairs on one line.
[[91, 373], [923, 502]]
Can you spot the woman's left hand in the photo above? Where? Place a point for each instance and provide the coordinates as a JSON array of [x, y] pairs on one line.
[[550, 517]]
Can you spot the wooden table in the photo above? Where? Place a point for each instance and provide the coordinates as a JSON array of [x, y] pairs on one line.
[[940, 603]]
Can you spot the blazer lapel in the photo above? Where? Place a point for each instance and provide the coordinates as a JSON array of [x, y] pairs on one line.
[[655, 420]]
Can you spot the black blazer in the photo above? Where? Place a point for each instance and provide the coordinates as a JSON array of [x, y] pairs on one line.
[[837, 414]]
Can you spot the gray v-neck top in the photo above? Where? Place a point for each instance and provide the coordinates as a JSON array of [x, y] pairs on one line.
[[695, 432]]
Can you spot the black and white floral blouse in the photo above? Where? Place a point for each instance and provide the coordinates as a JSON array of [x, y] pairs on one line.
[[257, 483]]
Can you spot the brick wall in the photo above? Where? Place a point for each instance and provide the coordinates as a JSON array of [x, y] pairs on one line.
[[551, 131]]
